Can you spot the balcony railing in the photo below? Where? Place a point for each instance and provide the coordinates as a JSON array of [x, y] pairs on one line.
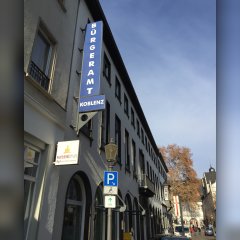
[[39, 75], [146, 186]]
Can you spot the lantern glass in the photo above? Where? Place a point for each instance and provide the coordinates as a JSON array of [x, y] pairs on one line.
[[111, 152]]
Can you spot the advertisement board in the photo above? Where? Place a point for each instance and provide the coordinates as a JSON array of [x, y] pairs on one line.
[[67, 152]]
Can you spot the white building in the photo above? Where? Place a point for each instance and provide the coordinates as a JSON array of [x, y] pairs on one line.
[[191, 214], [66, 202]]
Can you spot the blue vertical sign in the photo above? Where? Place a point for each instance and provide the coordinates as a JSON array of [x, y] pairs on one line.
[[90, 98]]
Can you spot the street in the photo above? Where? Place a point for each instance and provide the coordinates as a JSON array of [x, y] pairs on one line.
[[201, 236]]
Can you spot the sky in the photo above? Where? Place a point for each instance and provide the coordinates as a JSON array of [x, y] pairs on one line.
[[169, 50]]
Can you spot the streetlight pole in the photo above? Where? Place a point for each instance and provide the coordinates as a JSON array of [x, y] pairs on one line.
[[109, 215], [111, 154]]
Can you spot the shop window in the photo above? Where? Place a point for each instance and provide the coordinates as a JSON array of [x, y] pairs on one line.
[[73, 223], [42, 58], [107, 69], [99, 218], [31, 168]]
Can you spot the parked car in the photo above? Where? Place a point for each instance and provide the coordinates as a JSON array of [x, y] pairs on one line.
[[178, 231], [209, 231]]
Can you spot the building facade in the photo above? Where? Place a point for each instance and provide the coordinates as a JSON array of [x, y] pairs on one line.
[[67, 201], [209, 196]]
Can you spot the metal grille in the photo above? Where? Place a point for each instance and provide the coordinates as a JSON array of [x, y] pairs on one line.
[[39, 75]]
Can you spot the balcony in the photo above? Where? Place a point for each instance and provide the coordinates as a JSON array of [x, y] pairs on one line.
[[38, 75], [146, 186]]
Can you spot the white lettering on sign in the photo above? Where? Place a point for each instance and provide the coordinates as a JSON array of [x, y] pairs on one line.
[[92, 103], [110, 177], [90, 98], [92, 40], [90, 81]]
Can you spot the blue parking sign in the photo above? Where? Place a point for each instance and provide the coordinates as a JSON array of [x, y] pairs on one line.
[[110, 178]]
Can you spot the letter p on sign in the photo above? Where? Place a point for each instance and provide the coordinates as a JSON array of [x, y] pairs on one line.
[[110, 178]]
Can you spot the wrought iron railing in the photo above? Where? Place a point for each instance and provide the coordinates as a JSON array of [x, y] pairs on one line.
[[39, 75], [145, 182]]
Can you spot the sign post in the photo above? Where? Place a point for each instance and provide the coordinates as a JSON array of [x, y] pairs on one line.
[[110, 185]]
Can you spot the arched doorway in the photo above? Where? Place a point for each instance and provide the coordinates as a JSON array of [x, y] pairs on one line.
[[99, 217], [74, 212]]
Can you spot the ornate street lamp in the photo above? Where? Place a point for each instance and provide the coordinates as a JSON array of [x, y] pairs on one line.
[[111, 150]]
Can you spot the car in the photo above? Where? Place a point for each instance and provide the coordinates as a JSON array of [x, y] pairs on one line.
[[178, 231], [209, 231]]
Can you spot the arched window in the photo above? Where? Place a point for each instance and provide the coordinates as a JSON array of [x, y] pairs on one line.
[[128, 214], [73, 223], [135, 224], [99, 218]]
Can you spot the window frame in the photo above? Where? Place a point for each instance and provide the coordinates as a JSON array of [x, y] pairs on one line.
[[107, 69], [118, 138], [118, 90], [127, 151], [132, 118], [126, 105], [36, 71]]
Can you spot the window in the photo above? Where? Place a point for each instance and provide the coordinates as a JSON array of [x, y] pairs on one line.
[[118, 137], [141, 161], [107, 69], [107, 123], [99, 218], [118, 90], [138, 128], [87, 129], [105, 127], [146, 142], [31, 165], [41, 59], [132, 118], [127, 157], [74, 212], [134, 157], [148, 173], [126, 109], [142, 135]]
